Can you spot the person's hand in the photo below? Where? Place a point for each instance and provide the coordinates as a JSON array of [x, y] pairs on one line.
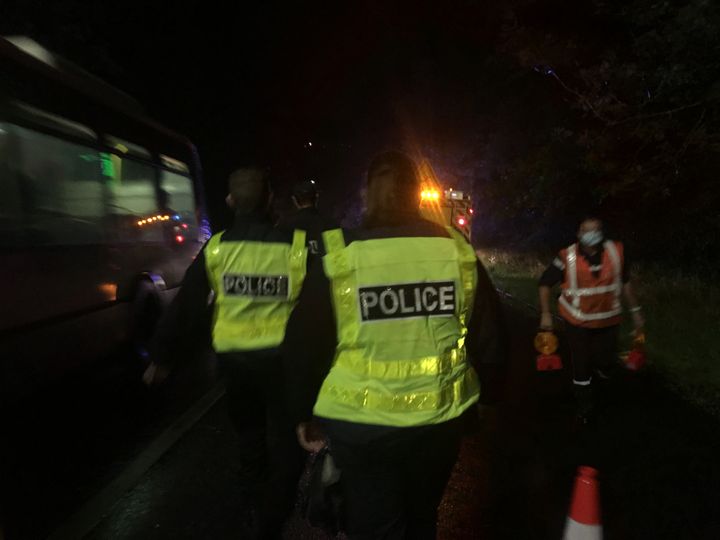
[[638, 320], [310, 437], [546, 322], [155, 374]]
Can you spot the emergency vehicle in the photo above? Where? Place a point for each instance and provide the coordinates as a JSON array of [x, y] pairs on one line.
[[448, 207]]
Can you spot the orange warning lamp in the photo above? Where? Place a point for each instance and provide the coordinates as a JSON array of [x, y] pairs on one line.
[[546, 343], [639, 340], [636, 359]]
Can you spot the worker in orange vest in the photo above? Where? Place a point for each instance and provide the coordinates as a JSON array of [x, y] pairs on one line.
[[594, 277]]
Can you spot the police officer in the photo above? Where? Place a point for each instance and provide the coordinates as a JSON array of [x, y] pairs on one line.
[[384, 350], [305, 198], [254, 273], [593, 273]]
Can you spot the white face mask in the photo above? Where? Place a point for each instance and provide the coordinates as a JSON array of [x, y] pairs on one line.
[[591, 238]]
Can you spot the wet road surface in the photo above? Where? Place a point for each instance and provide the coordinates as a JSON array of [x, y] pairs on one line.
[[59, 447], [658, 459]]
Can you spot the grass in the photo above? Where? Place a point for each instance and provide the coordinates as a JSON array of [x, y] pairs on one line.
[[682, 312]]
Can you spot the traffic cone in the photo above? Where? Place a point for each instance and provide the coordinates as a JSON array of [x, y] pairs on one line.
[[583, 522]]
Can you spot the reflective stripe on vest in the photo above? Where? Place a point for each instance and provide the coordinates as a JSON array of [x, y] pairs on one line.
[[256, 285], [571, 296], [582, 316], [400, 307], [388, 405]]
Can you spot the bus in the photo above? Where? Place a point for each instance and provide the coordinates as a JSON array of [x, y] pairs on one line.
[[101, 212]]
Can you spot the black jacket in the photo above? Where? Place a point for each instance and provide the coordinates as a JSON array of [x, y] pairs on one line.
[[311, 338], [313, 222]]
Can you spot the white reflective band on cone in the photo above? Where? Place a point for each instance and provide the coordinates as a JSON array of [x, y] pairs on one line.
[[580, 531]]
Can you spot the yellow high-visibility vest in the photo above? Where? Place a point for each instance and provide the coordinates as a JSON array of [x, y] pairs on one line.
[[401, 307], [256, 285]]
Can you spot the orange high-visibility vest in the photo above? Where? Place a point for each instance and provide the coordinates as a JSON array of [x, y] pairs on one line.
[[589, 301]]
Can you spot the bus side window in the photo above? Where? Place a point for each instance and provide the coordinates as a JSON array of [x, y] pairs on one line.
[[133, 201], [11, 213], [180, 201], [61, 188]]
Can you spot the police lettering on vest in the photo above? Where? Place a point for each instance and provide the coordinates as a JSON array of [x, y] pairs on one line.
[[269, 287], [407, 300]]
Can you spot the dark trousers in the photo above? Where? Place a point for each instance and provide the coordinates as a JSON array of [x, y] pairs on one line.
[[592, 348], [271, 458], [393, 480]]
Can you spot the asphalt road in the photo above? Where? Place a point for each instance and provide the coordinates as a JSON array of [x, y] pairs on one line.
[[59, 447], [658, 457]]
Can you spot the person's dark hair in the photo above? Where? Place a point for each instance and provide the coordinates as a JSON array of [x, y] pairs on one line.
[[250, 189], [393, 187], [306, 193], [591, 216]]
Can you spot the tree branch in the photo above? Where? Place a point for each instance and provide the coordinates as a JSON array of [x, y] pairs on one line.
[[613, 123], [654, 115]]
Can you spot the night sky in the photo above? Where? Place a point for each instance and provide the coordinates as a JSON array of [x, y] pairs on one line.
[[541, 109], [259, 82]]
